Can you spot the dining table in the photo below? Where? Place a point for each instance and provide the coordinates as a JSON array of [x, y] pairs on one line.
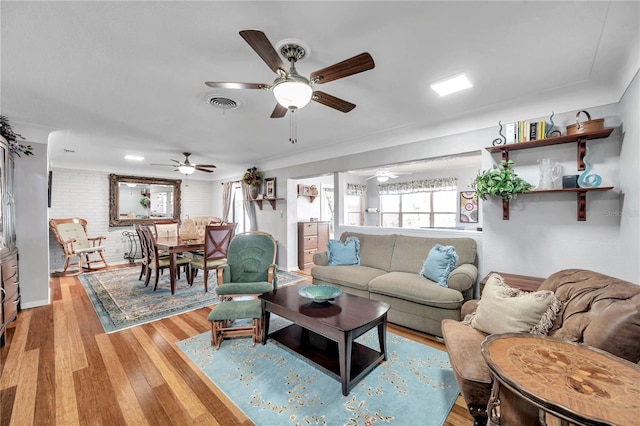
[[174, 245]]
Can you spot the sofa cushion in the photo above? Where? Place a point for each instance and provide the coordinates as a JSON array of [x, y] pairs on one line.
[[344, 252], [354, 276], [409, 252], [375, 250], [439, 263], [416, 288], [503, 309]]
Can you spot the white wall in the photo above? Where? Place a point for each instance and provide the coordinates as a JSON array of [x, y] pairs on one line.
[[543, 235], [32, 230], [85, 194]]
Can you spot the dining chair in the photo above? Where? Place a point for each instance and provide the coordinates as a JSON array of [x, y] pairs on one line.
[[144, 261], [166, 229], [216, 243], [157, 263]]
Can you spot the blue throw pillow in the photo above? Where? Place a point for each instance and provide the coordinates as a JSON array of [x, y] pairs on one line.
[[439, 264], [344, 253]]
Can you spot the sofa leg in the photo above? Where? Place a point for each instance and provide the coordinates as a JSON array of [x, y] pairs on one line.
[[479, 415], [479, 421]]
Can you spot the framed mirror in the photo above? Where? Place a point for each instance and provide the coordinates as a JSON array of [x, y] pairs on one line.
[[142, 200]]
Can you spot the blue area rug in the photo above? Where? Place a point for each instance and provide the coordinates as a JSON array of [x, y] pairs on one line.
[[122, 301], [272, 386]]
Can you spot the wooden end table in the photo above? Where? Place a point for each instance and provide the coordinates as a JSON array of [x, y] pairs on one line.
[[523, 282], [324, 333], [572, 383]]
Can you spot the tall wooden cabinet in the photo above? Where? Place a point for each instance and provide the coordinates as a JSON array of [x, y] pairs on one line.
[[312, 237], [9, 284]]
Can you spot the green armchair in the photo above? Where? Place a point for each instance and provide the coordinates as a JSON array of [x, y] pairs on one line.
[[250, 269]]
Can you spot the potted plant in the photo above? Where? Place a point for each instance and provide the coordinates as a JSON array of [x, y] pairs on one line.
[[12, 137], [500, 181], [253, 178]]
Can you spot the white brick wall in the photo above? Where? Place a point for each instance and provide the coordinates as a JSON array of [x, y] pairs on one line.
[[85, 194]]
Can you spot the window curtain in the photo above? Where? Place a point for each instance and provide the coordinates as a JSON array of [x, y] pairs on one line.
[[249, 207], [427, 185], [353, 189], [226, 200]]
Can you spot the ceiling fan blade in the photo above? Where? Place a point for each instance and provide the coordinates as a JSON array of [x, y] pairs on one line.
[[232, 85], [170, 165], [208, 166], [203, 169], [263, 47], [279, 111], [371, 177], [359, 63], [332, 101]]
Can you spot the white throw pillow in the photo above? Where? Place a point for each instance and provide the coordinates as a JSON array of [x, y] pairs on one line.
[[504, 309]]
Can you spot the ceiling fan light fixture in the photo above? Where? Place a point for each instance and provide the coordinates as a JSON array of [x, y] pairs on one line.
[[292, 91], [186, 169], [382, 178]]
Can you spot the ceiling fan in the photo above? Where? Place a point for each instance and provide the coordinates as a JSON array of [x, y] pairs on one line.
[[291, 90], [385, 175], [186, 167]]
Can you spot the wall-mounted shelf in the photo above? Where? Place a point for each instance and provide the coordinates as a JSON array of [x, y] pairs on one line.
[[581, 141], [581, 194], [311, 197], [271, 201]]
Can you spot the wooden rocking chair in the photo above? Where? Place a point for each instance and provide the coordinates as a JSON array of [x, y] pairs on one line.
[[72, 235]]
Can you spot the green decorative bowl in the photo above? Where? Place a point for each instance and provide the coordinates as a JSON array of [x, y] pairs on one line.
[[320, 293]]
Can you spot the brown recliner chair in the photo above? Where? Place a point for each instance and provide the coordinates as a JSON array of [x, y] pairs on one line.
[[597, 310]]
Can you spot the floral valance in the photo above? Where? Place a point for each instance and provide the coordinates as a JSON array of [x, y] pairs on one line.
[[353, 189], [427, 185]]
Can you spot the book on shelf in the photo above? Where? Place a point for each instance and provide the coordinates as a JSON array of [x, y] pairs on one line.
[[525, 131]]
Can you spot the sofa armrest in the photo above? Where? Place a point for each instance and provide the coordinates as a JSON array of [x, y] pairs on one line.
[[469, 307], [321, 258], [463, 277]]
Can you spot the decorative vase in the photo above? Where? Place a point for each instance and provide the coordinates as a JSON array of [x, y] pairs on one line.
[[253, 191]]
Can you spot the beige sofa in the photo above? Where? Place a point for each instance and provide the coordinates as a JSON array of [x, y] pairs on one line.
[[201, 222], [389, 272], [597, 310]]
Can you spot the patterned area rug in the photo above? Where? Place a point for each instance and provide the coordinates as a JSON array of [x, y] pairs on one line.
[[272, 386], [122, 301]]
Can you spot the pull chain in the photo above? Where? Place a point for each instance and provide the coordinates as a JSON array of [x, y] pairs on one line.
[[293, 128]]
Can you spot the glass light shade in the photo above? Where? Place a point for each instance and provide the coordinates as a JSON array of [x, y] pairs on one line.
[[186, 170], [293, 91], [382, 178]]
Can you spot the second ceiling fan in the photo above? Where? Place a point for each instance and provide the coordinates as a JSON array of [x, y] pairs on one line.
[[291, 90]]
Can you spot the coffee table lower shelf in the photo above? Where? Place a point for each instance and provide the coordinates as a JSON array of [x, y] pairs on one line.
[[323, 352]]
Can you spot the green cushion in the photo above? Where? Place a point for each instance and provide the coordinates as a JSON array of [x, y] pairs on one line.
[[198, 262], [236, 309], [229, 289], [164, 263]]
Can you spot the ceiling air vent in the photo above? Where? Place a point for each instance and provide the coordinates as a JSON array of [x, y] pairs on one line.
[[222, 102]]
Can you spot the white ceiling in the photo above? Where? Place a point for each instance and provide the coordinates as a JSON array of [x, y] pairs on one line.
[[111, 78]]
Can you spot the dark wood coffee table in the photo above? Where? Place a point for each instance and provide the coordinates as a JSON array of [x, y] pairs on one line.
[[324, 333]]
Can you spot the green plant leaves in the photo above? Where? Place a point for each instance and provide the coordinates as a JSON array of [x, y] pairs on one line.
[[500, 181]]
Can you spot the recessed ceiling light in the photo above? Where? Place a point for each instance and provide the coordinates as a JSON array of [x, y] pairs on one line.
[[133, 157], [451, 85]]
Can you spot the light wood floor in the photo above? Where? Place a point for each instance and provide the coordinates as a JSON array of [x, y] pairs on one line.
[[60, 368]]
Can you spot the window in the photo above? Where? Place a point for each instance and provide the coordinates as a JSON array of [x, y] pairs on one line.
[[355, 201], [238, 213], [419, 204]]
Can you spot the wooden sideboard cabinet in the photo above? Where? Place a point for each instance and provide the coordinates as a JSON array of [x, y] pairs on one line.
[[312, 237], [10, 290]]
